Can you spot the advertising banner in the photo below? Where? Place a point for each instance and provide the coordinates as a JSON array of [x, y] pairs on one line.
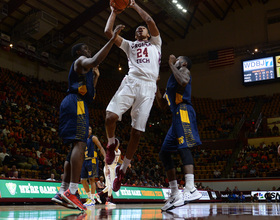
[[262, 195], [10, 188], [127, 192]]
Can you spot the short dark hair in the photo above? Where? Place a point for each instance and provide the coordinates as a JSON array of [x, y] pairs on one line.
[[76, 48], [188, 60]]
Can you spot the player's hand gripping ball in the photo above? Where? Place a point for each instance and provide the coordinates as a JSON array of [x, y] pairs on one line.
[[119, 4]]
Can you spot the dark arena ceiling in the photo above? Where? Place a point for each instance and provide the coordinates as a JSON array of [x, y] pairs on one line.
[[53, 26]]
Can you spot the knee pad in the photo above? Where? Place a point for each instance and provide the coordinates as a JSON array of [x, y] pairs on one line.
[[186, 156], [165, 157]]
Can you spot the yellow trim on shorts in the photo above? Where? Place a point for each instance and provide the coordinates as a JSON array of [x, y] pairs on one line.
[[184, 116], [80, 108]]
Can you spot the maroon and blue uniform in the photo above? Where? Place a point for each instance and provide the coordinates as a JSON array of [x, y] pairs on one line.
[[183, 131]]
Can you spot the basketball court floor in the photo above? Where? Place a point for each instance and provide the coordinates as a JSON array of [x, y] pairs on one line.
[[145, 211]]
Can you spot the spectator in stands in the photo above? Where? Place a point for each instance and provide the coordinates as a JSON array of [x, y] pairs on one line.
[[11, 172], [227, 190], [135, 183], [217, 173], [33, 161], [5, 171], [39, 151], [3, 154], [15, 175], [51, 178], [128, 183], [232, 197], [232, 173], [255, 198], [100, 184], [241, 197], [43, 161], [21, 159], [268, 197], [235, 190], [275, 130]]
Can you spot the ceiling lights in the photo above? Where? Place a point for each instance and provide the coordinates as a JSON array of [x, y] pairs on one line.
[[179, 6]]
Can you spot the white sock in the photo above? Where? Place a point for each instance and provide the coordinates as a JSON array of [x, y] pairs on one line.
[[189, 179], [88, 195], [73, 187], [111, 140], [64, 186], [92, 196], [173, 186], [125, 164]]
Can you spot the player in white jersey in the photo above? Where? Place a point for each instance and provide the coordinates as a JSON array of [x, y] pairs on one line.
[[109, 172], [137, 89]]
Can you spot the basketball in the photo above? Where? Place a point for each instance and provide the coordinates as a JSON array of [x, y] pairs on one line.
[[119, 4]]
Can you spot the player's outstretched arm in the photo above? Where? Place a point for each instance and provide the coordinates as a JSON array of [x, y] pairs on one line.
[[162, 103], [98, 144], [96, 75], [88, 63], [181, 75], [146, 17], [110, 24]]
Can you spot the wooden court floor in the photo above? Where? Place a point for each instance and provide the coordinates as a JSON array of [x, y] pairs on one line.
[[145, 211]]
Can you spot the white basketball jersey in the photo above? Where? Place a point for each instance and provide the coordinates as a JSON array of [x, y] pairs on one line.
[[143, 57]]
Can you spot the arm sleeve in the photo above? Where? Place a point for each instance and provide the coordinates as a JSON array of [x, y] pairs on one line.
[[125, 45], [156, 40]]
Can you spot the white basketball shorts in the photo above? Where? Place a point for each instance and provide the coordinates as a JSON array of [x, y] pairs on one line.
[[138, 94]]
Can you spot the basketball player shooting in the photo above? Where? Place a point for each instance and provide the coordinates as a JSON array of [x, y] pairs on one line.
[[138, 88]]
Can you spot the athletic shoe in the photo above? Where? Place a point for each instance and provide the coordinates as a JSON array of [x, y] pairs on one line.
[[89, 202], [57, 199], [110, 204], [97, 198], [110, 152], [173, 201], [73, 199], [118, 179], [191, 195]]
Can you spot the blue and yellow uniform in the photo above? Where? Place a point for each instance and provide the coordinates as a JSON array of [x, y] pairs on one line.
[[90, 165], [183, 131], [74, 116]]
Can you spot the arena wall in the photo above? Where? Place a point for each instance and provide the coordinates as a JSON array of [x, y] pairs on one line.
[[246, 27], [243, 28]]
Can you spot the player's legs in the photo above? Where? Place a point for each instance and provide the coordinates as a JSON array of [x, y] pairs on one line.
[[190, 192], [85, 185], [110, 124], [77, 159], [187, 127], [120, 170], [64, 183], [176, 197], [111, 177], [92, 185], [120, 103], [66, 174]]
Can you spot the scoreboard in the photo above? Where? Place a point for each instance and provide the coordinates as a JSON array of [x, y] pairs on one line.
[[262, 69]]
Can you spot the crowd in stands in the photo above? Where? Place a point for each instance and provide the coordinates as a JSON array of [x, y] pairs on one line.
[[30, 144], [257, 161]]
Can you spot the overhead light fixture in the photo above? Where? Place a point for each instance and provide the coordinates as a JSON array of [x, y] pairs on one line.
[[179, 6], [120, 68], [256, 50], [11, 45]]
